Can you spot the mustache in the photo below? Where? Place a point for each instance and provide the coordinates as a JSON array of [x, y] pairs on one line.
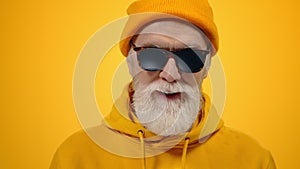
[[178, 91], [165, 87]]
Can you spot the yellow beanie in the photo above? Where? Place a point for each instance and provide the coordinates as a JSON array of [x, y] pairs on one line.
[[197, 12]]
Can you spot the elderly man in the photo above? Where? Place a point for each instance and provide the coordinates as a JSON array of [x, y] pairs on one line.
[[168, 56]]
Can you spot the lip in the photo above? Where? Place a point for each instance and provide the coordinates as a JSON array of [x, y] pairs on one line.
[[169, 95]]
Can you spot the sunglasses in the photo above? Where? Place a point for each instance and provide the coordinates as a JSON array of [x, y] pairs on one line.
[[187, 60]]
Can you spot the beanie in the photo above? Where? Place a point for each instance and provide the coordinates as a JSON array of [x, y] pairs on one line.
[[142, 12]]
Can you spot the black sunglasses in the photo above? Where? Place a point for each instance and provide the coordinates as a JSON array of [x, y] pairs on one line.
[[187, 60]]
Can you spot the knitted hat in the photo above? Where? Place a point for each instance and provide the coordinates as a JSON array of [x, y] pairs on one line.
[[142, 12]]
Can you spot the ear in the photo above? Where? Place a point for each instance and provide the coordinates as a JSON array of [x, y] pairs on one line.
[[132, 63]]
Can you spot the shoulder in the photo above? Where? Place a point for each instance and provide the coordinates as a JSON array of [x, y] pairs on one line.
[[82, 142], [74, 144], [84, 138], [233, 138], [240, 146], [77, 138], [78, 148]]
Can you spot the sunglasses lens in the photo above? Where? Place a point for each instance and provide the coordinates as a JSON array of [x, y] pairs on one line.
[[152, 59], [189, 60]]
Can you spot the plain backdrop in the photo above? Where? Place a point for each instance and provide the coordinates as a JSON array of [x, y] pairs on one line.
[[41, 40]]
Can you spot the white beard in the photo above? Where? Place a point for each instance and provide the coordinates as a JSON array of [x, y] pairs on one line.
[[164, 116]]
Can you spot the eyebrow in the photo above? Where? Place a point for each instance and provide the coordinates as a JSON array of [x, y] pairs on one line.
[[168, 46], [151, 45], [147, 45]]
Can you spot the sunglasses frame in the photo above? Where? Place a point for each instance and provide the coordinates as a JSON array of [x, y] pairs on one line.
[[172, 54]]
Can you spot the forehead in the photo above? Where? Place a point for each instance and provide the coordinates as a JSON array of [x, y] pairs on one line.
[[171, 34]]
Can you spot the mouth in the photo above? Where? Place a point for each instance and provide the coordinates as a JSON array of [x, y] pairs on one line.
[[169, 95]]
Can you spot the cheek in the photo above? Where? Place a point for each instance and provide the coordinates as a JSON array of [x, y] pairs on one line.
[[199, 77], [193, 79], [146, 77]]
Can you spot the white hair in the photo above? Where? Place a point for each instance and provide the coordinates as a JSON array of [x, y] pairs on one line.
[[164, 116]]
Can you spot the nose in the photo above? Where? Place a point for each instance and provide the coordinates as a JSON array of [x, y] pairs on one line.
[[170, 72]]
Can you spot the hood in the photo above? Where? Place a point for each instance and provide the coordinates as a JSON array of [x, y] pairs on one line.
[[122, 120]]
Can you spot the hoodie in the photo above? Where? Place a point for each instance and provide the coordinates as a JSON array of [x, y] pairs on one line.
[[120, 141]]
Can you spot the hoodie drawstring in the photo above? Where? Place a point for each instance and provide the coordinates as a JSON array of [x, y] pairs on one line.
[[184, 150], [141, 135]]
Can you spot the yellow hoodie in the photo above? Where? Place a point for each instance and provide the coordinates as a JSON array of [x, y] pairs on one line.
[[122, 142]]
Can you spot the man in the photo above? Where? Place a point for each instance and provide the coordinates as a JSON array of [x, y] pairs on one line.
[[159, 120]]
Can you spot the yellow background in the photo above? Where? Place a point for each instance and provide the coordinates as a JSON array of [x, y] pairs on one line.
[[40, 42]]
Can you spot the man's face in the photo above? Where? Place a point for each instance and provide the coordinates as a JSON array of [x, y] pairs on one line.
[[167, 101]]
